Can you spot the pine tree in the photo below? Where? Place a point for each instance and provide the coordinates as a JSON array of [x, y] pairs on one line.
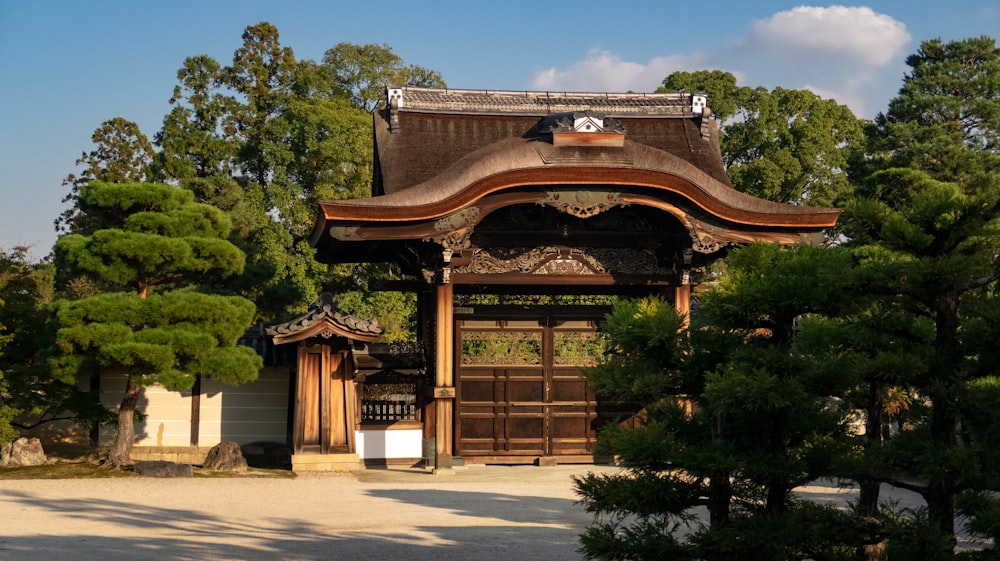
[[161, 322], [924, 230], [736, 416]]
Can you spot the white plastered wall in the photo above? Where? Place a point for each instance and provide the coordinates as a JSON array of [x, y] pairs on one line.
[[253, 412]]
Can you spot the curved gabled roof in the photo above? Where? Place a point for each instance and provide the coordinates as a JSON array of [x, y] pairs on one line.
[[519, 162], [445, 159], [324, 320]]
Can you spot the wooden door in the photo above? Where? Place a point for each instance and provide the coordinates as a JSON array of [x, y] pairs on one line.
[[520, 388], [325, 402]]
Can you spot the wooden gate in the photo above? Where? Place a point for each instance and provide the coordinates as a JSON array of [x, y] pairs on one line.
[[520, 389]]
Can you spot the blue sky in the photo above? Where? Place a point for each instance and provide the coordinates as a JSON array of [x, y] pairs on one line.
[[68, 65]]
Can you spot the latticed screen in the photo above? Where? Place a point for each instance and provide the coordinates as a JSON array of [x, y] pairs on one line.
[[577, 348], [388, 402], [502, 348]]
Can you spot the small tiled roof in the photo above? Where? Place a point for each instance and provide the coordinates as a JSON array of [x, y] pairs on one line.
[[324, 320]]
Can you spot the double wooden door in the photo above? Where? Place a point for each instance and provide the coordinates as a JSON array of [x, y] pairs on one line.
[[325, 410], [521, 392]]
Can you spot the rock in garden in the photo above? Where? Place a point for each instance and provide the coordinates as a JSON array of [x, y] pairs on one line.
[[225, 456], [23, 452], [161, 468]]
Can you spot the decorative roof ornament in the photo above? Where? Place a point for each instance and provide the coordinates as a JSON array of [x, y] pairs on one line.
[[324, 320], [699, 107], [583, 128], [393, 100], [699, 102]]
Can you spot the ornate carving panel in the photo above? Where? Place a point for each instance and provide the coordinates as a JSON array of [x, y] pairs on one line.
[[583, 204], [457, 220], [707, 238], [344, 233], [455, 229], [564, 261]]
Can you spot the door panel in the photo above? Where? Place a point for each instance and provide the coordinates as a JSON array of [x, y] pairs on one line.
[[526, 377], [309, 409]]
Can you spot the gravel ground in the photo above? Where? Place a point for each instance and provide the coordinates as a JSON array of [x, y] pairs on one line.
[[482, 513]]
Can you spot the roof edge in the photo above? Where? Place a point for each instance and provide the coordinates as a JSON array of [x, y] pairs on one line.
[[540, 103], [323, 319], [462, 185]]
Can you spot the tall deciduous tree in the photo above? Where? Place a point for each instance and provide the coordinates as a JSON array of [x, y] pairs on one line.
[[18, 299], [280, 274], [261, 75], [288, 133], [363, 71], [121, 154], [156, 245], [197, 138], [782, 145], [31, 395]]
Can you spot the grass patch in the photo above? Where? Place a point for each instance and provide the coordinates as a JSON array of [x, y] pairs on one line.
[[250, 472], [67, 470]]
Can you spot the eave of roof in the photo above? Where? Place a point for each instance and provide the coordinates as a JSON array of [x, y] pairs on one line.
[[518, 163]]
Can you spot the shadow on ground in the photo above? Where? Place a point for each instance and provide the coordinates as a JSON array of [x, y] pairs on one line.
[[491, 526]]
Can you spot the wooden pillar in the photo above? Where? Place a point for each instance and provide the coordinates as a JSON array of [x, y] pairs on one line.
[[303, 401], [444, 378], [326, 414], [95, 390], [426, 309], [682, 301], [196, 410], [352, 400]]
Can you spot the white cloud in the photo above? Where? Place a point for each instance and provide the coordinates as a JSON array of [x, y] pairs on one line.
[[859, 33], [604, 71], [851, 54]]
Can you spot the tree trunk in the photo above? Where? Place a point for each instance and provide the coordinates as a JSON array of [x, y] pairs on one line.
[[121, 451], [874, 428], [940, 495], [720, 488], [720, 494], [777, 485], [941, 506]]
